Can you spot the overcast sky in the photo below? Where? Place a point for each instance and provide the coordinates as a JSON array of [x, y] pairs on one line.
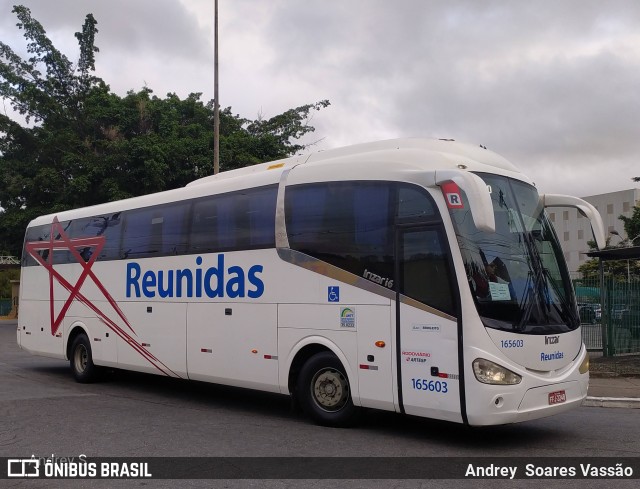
[[554, 86]]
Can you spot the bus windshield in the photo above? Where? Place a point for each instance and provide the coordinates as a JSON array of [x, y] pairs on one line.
[[518, 276]]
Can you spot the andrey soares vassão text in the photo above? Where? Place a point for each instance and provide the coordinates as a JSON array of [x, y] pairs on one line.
[[586, 470]]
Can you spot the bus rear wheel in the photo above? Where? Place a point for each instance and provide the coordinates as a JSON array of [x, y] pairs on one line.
[[324, 392], [81, 360]]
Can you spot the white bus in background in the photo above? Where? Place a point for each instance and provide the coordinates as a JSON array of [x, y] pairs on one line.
[[417, 276]]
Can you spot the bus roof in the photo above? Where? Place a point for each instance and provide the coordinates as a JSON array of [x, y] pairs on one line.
[[389, 159], [443, 154]]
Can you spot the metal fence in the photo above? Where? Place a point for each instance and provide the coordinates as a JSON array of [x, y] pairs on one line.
[[610, 315]]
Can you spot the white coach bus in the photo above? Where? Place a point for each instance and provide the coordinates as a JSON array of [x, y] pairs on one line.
[[417, 276]]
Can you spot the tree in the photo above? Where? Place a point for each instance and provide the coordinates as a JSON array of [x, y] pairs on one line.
[[632, 226], [84, 144], [6, 276], [621, 269]]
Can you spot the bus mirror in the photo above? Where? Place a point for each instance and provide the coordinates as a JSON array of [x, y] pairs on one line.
[[477, 193], [597, 226]]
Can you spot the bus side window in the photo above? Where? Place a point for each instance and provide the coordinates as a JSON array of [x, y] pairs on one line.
[[262, 217], [108, 226], [424, 269], [203, 226], [347, 224], [305, 209], [414, 203], [234, 221], [172, 233], [138, 234], [65, 256], [34, 234], [229, 228]]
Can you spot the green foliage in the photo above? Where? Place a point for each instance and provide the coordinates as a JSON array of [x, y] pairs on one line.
[[632, 226], [85, 144], [620, 269], [5, 281], [589, 269]]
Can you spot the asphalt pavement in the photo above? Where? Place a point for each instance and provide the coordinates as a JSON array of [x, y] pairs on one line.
[[614, 381]]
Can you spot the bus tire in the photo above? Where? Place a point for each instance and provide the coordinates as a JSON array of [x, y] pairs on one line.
[[324, 393], [81, 360]]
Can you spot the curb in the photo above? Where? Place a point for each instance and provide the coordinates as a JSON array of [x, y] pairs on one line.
[[612, 402]]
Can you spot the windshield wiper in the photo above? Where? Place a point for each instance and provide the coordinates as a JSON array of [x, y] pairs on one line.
[[536, 283], [526, 306], [564, 311], [532, 297]]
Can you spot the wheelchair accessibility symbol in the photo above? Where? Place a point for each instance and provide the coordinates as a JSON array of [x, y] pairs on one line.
[[333, 294]]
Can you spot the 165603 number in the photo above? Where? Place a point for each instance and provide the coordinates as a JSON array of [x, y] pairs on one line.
[[430, 385], [512, 343]]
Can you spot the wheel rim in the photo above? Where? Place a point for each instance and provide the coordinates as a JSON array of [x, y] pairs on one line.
[[80, 358], [330, 389]]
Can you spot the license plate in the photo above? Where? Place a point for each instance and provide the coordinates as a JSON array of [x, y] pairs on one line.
[[557, 397]]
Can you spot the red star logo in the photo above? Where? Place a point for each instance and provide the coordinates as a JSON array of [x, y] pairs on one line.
[[42, 252]]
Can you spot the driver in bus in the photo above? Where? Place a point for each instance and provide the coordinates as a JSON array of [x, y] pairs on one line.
[[494, 271]]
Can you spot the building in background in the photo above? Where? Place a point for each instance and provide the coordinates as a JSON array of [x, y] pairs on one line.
[[574, 230]]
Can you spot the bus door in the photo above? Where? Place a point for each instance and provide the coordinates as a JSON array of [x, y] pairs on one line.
[[426, 324]]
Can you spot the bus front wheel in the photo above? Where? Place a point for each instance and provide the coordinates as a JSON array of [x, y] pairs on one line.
[[324, 392], [81, 360]]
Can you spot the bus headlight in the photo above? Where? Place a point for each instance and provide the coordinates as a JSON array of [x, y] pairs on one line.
[[584, 366], [488, 372]]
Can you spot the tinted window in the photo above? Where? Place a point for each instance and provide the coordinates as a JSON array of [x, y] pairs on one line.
[[347, 224], [156, 231], [230, 228], [233, 221], [108, 226], [36, 233], [424, 269], [261, 215], [414, 203], [241, 220], [350, 224], [138, 234], [204, 226]]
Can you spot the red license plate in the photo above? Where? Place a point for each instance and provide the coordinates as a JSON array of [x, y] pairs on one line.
[[557, 397]]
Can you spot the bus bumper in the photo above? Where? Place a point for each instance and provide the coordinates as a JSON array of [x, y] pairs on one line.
[[534, 404], [494, 405]]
